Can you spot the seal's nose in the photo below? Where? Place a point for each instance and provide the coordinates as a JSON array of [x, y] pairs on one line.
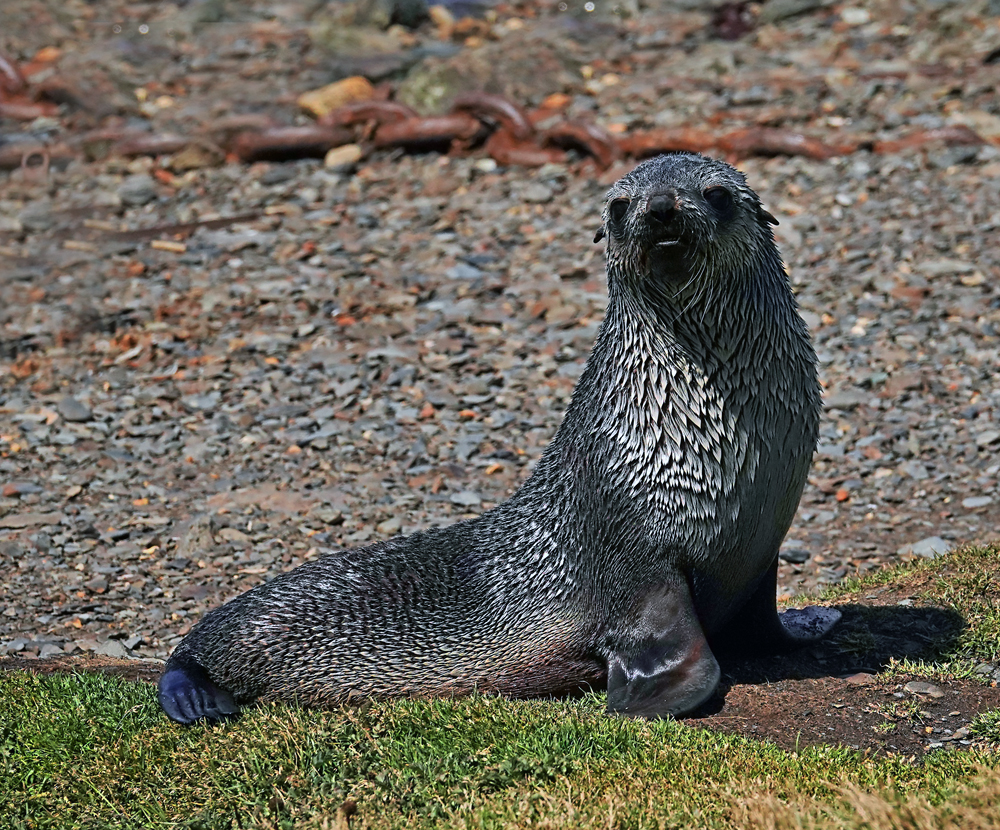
[[662, 208]]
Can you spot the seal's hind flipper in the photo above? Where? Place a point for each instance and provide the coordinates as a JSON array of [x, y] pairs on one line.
[[187, 694], [663, 665]]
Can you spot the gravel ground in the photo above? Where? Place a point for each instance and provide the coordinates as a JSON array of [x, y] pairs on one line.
[[187, 411]]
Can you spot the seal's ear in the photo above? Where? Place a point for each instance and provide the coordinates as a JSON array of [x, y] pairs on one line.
[[766, 216], [599, 235]]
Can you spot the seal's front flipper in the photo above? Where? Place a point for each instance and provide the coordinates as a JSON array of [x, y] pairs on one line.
[[804, 625], [662, 664], [758, 628], [187, 694]]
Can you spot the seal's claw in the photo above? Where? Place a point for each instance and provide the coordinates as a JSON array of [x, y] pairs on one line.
[[810, 623], [187, 695]]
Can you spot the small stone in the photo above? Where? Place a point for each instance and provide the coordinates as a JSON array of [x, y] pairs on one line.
[[972, 502], [466, 498], [860, 679], [201, 403], [846, 399], [321, 101], [98, 584], [921, 687], [464, 271], [775, 10], [537, 194], [390, 527], [137, 190], [132, 642], [16, 645], [930, 548], [985, 669], [231, 534], [112, 648], [944, 267], [20, 488], [37, 217], [72, 410], [49, 650], [343, 158], [193, 591], [989, 436], [794, 555], [19, 520]]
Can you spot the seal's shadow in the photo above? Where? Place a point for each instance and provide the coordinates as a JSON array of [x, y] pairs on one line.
[[865, 640]]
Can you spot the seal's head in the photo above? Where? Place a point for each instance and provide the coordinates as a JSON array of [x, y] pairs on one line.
[[680, 216]]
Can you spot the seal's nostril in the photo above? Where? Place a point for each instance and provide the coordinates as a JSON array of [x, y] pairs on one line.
[[662, 208]]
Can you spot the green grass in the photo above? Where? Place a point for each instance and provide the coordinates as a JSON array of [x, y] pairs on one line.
[[91, 751]]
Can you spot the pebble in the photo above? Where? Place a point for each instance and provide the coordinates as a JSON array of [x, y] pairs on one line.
[[537, 194], [794, 555], [19, 520], [466, 498], [231, 534], [930, 548], [37, 217], [343, 158], [921, 687], [972, 502], [112, 648], [72, 410], [20, 488], [987, 437], [137, 190], [861, 679]]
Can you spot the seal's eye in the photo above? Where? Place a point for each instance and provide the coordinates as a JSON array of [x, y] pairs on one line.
[[617, 210], [719, 199]]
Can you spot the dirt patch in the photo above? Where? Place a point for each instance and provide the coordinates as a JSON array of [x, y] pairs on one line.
[[858, 712], [148, 671]]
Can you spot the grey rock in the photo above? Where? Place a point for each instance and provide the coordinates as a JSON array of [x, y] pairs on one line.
[[537, 194], [200, 403], [930, 548], [98, 584], [390, 527], [987, 437], [132, 642], [466, 498], [16, 645], [464, 271], [775, 10], [921, 687], [49, 650], [72, 410], [794, 555], [972, 502], [944, 267], [37, 217], [846, 399], [112, 648], [137, 190], [914, 469]]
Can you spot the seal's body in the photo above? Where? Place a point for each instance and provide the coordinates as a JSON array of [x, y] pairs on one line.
[[649, 529]]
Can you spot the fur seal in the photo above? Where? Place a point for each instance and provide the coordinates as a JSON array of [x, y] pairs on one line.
[[647, 535]]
